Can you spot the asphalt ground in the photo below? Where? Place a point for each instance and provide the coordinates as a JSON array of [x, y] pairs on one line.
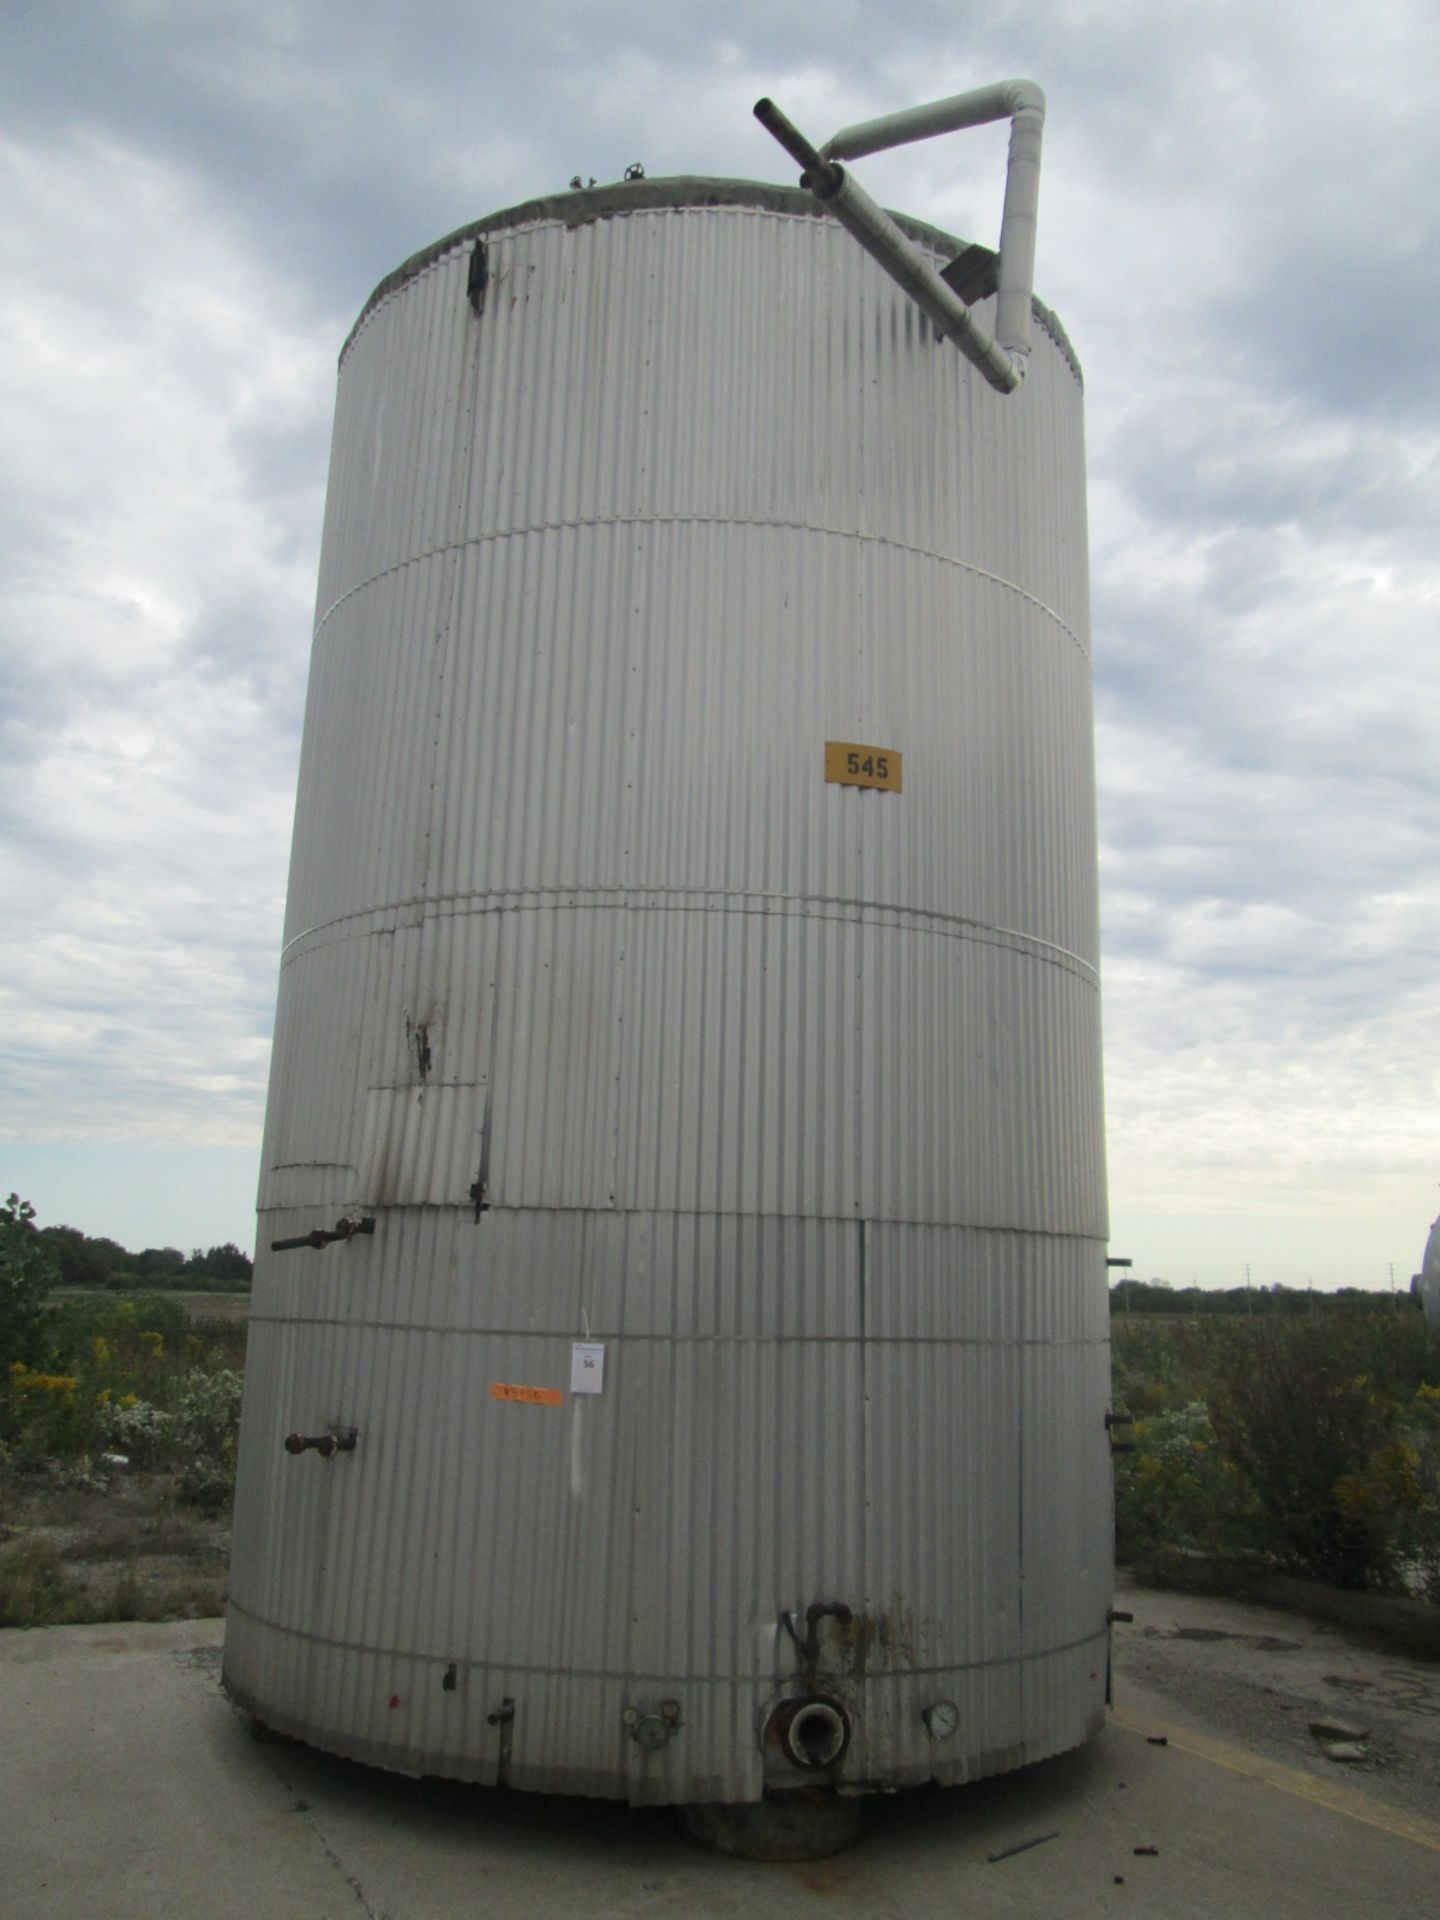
[[130, 1790], [1260, 1679]]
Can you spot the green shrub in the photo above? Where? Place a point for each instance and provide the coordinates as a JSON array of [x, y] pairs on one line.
[[1302, 1415], [1308, 1443], [144, 1434], [1178, 1488], [207, 1429]]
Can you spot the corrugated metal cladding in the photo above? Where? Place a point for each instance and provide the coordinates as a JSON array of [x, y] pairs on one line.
[[786, 1092]]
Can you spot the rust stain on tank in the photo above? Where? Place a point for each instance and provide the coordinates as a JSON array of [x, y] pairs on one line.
[[873, 1642]]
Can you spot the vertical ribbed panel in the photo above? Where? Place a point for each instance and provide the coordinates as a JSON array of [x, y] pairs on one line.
[[789, 1093]]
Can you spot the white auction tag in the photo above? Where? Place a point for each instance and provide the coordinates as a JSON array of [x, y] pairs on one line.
[[587, 1366]]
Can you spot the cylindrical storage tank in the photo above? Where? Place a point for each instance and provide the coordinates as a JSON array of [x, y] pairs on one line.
[[691, 972]]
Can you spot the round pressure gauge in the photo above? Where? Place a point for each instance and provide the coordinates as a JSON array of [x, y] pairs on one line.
[[941, 1719]]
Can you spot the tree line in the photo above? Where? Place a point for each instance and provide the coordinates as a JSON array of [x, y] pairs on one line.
[[97, 1263], [1159, 1296]]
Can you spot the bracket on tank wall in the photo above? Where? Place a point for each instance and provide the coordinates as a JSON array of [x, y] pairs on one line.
[[480, 1186], [478, 278], [1002, 356], [503, 1719]]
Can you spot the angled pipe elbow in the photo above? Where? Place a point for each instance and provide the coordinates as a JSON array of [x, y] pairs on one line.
[[1025, 97]]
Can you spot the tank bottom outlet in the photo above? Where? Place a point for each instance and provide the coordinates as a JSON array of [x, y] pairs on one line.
[[807, 1824]]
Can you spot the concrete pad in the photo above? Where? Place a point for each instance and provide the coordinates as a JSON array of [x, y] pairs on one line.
[[125, 1790], [129, 1790]]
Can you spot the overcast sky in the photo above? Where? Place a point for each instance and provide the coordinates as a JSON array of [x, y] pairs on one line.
[[1239, 229]]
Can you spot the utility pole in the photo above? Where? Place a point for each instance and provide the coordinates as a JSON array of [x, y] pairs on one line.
[[1249, 1304]]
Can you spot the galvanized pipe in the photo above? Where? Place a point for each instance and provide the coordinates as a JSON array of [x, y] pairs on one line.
[[886, 244], [1001, 357], [1003, 101], [908, 267], [1017, 226], [822, 178], [1021, 103]]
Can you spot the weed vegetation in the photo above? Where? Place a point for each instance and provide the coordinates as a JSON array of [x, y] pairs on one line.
[[1307, 1445], [118, 1425]]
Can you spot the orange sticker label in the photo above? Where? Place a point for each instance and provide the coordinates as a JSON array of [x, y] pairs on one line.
[[532, 1396]]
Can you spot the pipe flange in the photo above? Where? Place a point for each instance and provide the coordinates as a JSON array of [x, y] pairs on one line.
[[812, 1730]]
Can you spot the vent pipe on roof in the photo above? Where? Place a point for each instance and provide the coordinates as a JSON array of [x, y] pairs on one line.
[[1002, 357]]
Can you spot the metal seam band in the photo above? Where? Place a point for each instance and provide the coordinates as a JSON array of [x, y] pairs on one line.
[[704, 520], [694, 900], [868, 1340], [401, 1656]]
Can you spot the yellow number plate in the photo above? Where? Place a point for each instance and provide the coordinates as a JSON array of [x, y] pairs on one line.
[[850, 765]]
